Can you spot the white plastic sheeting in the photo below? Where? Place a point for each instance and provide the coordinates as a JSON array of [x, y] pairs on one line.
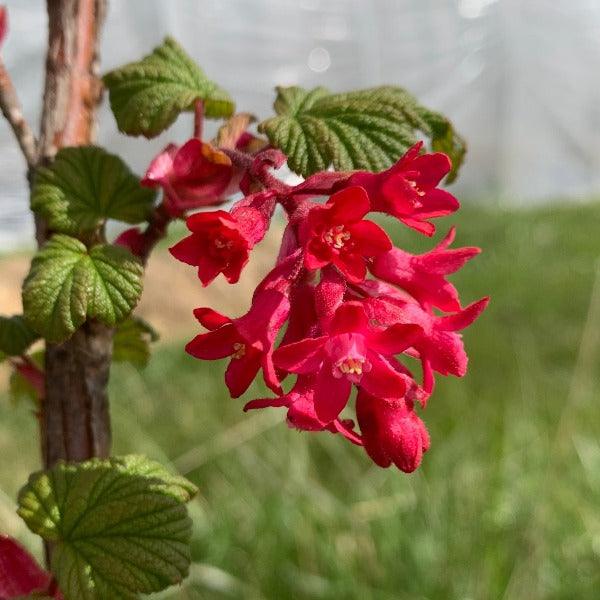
[[520, 78]]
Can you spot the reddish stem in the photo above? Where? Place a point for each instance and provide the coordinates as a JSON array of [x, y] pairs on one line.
[[156, 231], [198, 119]]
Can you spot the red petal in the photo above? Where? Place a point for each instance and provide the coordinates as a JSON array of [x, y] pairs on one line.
[[198, 222], [351, 265], [209, 318], [241, 372], [394, 339], [371, 239], [161, 167], [350, 317], [19, 572], [463, 318], [214, 344], [383, 381], [421, 226], [437, 203], [432, 168], [301, 357], [189, 249], [349, 205], [331, 394]]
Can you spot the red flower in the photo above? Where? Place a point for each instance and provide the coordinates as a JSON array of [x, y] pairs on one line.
[[408, 190], [439, 347], [248, 339], [337, 234], [3, 23], [221, 241], [391, 432], [20, 574], [192, 176], [351, 353], [217, 245], [301, 410], [423, 276]]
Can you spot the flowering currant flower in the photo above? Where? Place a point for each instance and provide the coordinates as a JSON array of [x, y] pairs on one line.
[[439, 347], [350, 353], [192, 176], [408, 189], [391, 432], [247, 340], [423, 276], [301, 410], [337, 234], [221, 241]]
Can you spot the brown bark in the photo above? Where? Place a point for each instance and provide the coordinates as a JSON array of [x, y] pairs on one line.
[[74, 418]]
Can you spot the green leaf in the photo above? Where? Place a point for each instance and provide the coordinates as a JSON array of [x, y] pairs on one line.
[[119, 526], [367, 129], [15, 335], [86, 185], [131, 342], [68, 284], [147, 96]]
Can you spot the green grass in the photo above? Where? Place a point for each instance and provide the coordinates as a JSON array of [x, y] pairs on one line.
[[506, 504]]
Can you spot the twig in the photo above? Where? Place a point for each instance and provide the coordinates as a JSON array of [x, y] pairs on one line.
[[155, 231], [11, 109], [198, 119]]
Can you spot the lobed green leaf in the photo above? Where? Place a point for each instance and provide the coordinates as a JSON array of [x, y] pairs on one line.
[[367, 129], [68, 284], [147, 96], [86, 185], [119, 526]]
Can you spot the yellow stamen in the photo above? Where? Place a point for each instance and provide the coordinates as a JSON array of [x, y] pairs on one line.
[[337, 236], [240, 350]]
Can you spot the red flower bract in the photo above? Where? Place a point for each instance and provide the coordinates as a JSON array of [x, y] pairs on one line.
[[337, 234], [192, 176]]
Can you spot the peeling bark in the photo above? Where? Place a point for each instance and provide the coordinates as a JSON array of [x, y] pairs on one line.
[[75, 422]]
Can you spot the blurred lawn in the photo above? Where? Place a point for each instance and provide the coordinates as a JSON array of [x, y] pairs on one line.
[[506, 504]]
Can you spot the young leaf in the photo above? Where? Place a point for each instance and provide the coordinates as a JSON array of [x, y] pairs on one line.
[[119, 526], [15, 335], [131, 342], [68, 284], [147, 96], [86, 185], [367, 129]]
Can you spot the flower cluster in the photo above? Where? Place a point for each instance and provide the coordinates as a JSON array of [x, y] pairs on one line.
[[342, 305]]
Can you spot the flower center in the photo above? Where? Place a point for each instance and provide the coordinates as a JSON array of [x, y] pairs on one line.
[[351, 368], [239, 350], [220, 243], [336, 236], [414, 186]]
